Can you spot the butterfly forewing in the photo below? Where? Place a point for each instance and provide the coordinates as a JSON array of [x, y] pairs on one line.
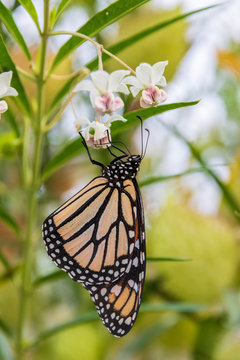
[[118, 303], [91, 236]]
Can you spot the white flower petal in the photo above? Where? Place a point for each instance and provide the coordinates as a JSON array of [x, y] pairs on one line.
[[134, 90], [100, 80], [11, 92], [162, 82], [83, 120], [115, 79], [132, 80], [3, 106], [144, 74], [157, 71], [85, 133], [122, 88], [5, 79], [116, 117], [85, 85], [100, 130]]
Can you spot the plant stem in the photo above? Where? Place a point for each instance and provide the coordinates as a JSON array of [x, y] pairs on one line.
[[26, 280], [82, 36]]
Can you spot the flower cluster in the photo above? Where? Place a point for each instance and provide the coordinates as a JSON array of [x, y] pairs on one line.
[[6, 90], [104, 89]]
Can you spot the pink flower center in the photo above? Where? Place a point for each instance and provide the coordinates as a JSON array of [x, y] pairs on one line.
[[152, 96], [107, 104]]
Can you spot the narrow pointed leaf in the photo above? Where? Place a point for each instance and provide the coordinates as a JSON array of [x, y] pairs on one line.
[[123, 44], [145, 114], [28, 5], [50, 277], [93, 315], [63, 4], [6, 64], [7, 19], [153, 179], [10, 118], [167, 259], [172, 306], [98, 22], [230, 199], [74, 148], [64, 90], [9, 220], [82, 319]]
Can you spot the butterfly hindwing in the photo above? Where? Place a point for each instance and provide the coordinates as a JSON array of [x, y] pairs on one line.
[[91, 235], [118, 303]]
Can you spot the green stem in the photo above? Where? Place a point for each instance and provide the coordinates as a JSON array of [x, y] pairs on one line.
[[85, 37], [26, 282]]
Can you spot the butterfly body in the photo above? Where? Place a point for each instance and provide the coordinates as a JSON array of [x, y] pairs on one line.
[[98, 238]]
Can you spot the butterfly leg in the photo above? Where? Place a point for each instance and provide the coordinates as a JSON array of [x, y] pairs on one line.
[[89, 155], [117, 148]]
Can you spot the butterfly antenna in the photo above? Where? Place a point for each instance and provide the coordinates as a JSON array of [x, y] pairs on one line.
[[141, 135], [145, 150], [115, 147], [120, 142]]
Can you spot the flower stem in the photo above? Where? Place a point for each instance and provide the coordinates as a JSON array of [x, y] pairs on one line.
[[26, 279], [83, 36]]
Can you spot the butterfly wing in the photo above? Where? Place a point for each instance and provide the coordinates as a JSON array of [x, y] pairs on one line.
[[91, 236], [118, 303]]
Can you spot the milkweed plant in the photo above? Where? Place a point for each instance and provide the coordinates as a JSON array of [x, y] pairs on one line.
[[31, 122]]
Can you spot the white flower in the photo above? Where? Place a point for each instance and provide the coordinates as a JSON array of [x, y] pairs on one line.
[[102, 86], [96, 133], [6, 89], [148, 78], [3, 106]]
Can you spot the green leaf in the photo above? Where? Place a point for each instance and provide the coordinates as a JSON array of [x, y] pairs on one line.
[[93, 26], [4, 261], [231, 201], [132, 119], [8, 220], [123, 44], [75, 147], [52, 17], [7, 19], [82, 319], [92, 316], [28, 5], [9, 273], [63, 4], [67, 153], [10, 118], [7, 64], [153, 179], [58, 274], [65, 89], [167, 259], [4, 327], [172, 306]]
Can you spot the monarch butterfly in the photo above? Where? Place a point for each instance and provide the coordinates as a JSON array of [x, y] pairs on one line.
[[98, 238]]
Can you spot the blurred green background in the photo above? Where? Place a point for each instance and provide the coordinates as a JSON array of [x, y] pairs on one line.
[[190, 215]]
